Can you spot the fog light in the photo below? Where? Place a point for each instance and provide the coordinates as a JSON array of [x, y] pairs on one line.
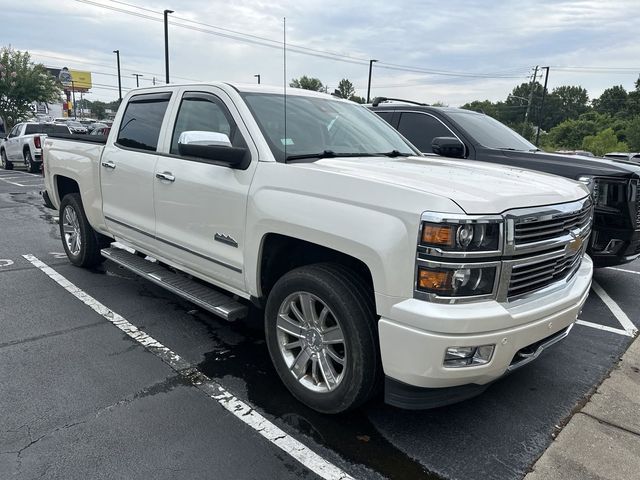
[[456, 357]]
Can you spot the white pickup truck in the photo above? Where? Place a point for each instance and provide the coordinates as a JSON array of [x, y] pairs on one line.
[[376, 267], [24, 144]]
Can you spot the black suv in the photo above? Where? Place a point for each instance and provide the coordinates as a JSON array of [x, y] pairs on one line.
[[457, 133]]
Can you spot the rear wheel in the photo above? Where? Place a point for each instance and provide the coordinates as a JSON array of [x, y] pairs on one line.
[[80, 241], [32, 167], [6, 164], [321, 334]]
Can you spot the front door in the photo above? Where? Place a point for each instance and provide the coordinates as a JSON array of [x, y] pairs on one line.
[[12, 145], [127, 171], [200, 210]]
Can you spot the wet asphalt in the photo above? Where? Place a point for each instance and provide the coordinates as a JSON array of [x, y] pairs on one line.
[[79, 399]]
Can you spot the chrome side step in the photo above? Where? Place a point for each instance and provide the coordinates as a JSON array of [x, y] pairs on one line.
[[205, 297]]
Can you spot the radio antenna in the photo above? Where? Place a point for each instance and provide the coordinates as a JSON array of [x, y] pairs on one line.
[[284, 78]]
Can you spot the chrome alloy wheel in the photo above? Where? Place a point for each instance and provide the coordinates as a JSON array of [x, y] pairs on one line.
[[311, 342], [71, 228]]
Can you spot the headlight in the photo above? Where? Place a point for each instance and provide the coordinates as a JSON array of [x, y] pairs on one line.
[[457, 280], [610, 193], [463, 236]]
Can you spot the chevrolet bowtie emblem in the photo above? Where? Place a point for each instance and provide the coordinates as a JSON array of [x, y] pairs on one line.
[[574, 245]]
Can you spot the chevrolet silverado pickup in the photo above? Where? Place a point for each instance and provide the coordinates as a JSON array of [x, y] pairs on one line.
[[458, 133], [376, 267]]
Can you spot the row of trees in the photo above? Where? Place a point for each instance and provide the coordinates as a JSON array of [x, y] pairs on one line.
[[345, 87], [569, 119]]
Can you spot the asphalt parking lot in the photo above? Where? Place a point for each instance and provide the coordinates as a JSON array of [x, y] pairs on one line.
[[82, 398]]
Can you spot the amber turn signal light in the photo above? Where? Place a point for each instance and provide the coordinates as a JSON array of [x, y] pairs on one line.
[[437, 280], [437, 235]]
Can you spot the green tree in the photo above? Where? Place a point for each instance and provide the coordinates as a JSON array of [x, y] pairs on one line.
[[633, 134], [308, 83], [21, 83], [603, 142], [346, 88], [564, 103], [612, 101]]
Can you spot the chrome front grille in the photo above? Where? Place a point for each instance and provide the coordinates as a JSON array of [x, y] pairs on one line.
[[636, 184], [531, 229], [542, 271], [545, 246]]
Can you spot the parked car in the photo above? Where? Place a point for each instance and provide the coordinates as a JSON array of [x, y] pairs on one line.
[[630, 156], [371, 261], [24, 144], [584, 153], [100, 129], [76, 127], [458, 133]]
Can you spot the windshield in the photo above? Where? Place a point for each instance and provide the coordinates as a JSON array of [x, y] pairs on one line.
[[316, 125], [490, 133], [74, 124]]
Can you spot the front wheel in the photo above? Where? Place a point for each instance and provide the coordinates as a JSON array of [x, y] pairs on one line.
[[6, 164], [320, 327], [80, 241]]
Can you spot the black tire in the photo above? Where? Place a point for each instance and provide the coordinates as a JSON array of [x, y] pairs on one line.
[[6, 164], [90, 241], [32, 167], [352, 304]]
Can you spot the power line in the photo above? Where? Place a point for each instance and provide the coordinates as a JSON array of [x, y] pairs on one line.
[[270, 43]]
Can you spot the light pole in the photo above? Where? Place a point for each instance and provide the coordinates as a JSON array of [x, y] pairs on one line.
[[369, 84], [137, 75], [117, 52], [166, 44], [258, 77]]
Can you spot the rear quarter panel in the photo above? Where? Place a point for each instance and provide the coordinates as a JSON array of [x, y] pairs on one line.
[[80, 162]]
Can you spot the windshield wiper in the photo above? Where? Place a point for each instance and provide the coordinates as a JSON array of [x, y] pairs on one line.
[[330, 154], [395, 153]]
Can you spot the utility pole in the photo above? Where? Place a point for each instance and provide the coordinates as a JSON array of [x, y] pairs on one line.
[[137, 75], [544, 94], [166, 44], [73, 92], [258, 77], [371, 62], [154, 80], [117, 52], [533, 86]]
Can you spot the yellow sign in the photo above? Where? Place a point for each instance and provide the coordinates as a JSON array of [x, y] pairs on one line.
[[81, 79]]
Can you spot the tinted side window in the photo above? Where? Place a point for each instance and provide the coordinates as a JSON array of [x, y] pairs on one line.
[[141, 122], [421, 129], [16, 130], [33, 128], [386, 116], [204, 112]]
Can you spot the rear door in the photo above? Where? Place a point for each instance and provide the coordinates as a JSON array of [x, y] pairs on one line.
[[200, 214], [127, 170]]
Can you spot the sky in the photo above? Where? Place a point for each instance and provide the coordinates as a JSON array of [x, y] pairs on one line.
[[451, 51]]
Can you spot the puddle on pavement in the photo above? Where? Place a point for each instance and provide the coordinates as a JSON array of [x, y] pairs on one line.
[[242, 353]]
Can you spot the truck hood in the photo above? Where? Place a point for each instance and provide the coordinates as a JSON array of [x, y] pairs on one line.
[[581, 165], [478, 188]]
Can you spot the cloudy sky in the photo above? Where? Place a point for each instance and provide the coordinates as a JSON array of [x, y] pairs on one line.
[[451, 51]]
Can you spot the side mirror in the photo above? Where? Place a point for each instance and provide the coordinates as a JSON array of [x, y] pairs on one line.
[[213, 147], [448, 147]]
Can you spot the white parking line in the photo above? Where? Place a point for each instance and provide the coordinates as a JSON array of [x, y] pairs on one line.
[[237, 407], [622, 317], [597, 326], [623, 270]]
